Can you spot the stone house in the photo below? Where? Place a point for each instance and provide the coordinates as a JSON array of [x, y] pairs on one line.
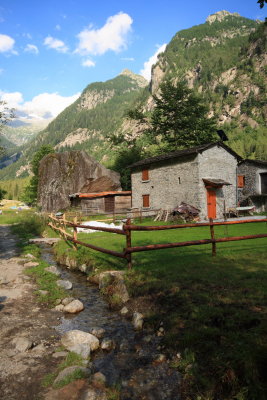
[[102, 202], [203, 176], [252, 184]]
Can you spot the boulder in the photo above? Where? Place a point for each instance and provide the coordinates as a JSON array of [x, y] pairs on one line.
[[53, 269], [138, 320], [62, 174], [65, 284], [74, 307], [75, 337], [70, 370], [114, 282], [108, 344], [99, 379], [95, 394], [59, 307], [67, 300], [98, 332], [22, 344], [124, 311], [31, 264]]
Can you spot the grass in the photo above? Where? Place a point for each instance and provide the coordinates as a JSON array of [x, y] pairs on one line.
[[9, 217], [70, 360], [46, 281], [213, 308]]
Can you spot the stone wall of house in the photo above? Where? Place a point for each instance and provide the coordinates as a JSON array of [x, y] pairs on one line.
[[170, 182], [173, 181], [252, 186], [217, 163], [252, 179]]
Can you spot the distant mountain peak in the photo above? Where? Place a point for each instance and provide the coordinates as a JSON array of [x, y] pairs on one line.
[[220, 15], [142, 82]]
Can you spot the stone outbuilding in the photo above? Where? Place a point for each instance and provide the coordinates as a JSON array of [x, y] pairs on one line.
[[102, 203], [204, 176], [252, 184]]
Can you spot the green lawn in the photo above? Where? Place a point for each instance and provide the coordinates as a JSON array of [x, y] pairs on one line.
[[213, 308]]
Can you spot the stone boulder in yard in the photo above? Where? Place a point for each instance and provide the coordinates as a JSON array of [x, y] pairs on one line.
[[62, 174]]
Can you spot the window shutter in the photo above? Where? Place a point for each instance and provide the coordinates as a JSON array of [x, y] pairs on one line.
[[145, 175], [146, 200], [240, 181]]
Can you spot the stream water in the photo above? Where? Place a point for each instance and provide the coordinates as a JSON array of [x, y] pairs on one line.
[[132, 364]]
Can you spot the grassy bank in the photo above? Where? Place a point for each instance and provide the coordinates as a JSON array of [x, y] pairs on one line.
[[213, 308], [26, 225]]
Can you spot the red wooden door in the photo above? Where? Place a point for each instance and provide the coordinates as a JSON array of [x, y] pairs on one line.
[[211, 202]]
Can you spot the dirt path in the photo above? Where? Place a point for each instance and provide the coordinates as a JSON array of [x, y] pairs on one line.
[[21, 317]]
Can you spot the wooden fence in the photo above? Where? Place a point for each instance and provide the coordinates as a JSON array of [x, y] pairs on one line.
[[60, 224]]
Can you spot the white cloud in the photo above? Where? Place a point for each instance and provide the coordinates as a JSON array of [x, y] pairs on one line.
[[146, 71], [31, 48], [42, 106], [127, 59], [58, 27], [27, 35], [112, 36], [55, 44], [88, 63], [6, 44], [13, 99]]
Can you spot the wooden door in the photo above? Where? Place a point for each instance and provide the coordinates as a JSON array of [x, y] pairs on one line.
[[109, 204], [211, 203]]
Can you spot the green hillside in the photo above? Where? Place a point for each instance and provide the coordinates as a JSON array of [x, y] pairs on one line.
[[98, 113]]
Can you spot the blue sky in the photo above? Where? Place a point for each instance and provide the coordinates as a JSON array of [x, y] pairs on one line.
[[51, 50]]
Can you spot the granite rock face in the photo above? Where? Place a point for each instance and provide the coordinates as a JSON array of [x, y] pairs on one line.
[[62, 174]]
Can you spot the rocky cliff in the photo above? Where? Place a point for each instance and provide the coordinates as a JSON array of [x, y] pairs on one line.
[[61, 174]]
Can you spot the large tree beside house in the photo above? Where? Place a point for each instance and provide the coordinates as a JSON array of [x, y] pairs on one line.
[[179, 118]]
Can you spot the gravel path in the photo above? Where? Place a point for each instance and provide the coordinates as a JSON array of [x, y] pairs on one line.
[[22, 319]]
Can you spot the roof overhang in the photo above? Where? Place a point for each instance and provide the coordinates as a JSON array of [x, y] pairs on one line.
[[215, 183], [100, 194]]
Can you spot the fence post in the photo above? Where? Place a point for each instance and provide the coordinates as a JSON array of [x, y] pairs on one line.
[[212, 237], [75, 232], [128, 243]]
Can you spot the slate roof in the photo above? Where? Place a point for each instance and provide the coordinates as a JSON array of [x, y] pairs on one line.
[[184, 153], [261, 163]]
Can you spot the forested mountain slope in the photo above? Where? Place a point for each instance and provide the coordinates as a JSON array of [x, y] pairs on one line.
[[225, 60], [86, 124]]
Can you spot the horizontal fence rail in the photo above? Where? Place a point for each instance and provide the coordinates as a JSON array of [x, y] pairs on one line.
[[127, 229]]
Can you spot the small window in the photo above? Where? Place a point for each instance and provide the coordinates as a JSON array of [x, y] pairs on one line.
[[263, 177], [240, 181], [145, 175], [145, 200]]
